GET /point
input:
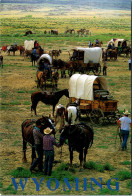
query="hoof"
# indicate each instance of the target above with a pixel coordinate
(81, 169)
(24, 160)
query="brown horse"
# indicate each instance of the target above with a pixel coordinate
(80, 137)
(43, 76)
(27, 133)
(47, 98)
(22, 50)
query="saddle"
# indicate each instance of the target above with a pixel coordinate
(31, 123)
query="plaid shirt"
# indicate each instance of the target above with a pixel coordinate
(38, 136)
(49, 142)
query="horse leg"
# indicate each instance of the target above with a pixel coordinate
(53, 110)
(71, 157)
(85, 153)
(81, 159)
(33, 107)
(24, 159)
(33, 154)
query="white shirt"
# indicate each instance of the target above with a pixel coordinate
(129, 60)
(125, 121)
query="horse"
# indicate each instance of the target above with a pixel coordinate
(27, 133)
(72, 113)
(54, 32)
(47, 98)
(43, 76)
(80, 138)
(69, 31)
(62, 65)
(54, 79)
(34, 58)
(13, 49)
(112, 53)
(55, 53)
(22, 50)
(28, 33)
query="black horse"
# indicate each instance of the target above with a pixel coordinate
(34, 58)
(27, 133)
(80, 138)
(47, 98)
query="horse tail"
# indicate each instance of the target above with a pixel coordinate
(70, 119)
(92, 136)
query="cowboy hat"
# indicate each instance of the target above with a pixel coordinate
(47, 131)
(59, 106)
(126, 112)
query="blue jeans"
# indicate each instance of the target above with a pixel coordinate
(129, 66)
(125, 135)
(48, 163)
(39, 160)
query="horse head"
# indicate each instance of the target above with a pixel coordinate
(64, 135)
(47, 122)
(66, 92)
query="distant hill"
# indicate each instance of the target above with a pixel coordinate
(101, 4)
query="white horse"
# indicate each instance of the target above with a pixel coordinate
(72, 114)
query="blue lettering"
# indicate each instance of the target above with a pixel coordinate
(117, 184)
(68, 185)
(20, 182)
(37, 184)
(57, 184)
(97, 183)
(85, 184)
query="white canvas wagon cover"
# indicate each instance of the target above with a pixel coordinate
(45, 56)
(29, 44)
(115, 41)
(81, 86)
(92, 54)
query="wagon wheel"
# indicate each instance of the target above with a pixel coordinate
(97, 70)
(97, 116)
(112, 119)
(118, 139)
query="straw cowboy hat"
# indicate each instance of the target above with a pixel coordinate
(126, 112)
(47, 131)
(59, 106)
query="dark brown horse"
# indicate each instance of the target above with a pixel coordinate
(47, 98)
(80, 138)
(27, 133)
(12, 49)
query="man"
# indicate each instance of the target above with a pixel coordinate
(60, 115)
(90, 44)
(129, 61)
(34, 52)
(124, 123)
(38, 139)
(48, 147)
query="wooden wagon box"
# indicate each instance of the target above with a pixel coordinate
(108, 105)
(104, 105)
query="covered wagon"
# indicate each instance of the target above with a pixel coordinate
(94, 99)
(121, 45)
(87, 59)
(45, 72)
